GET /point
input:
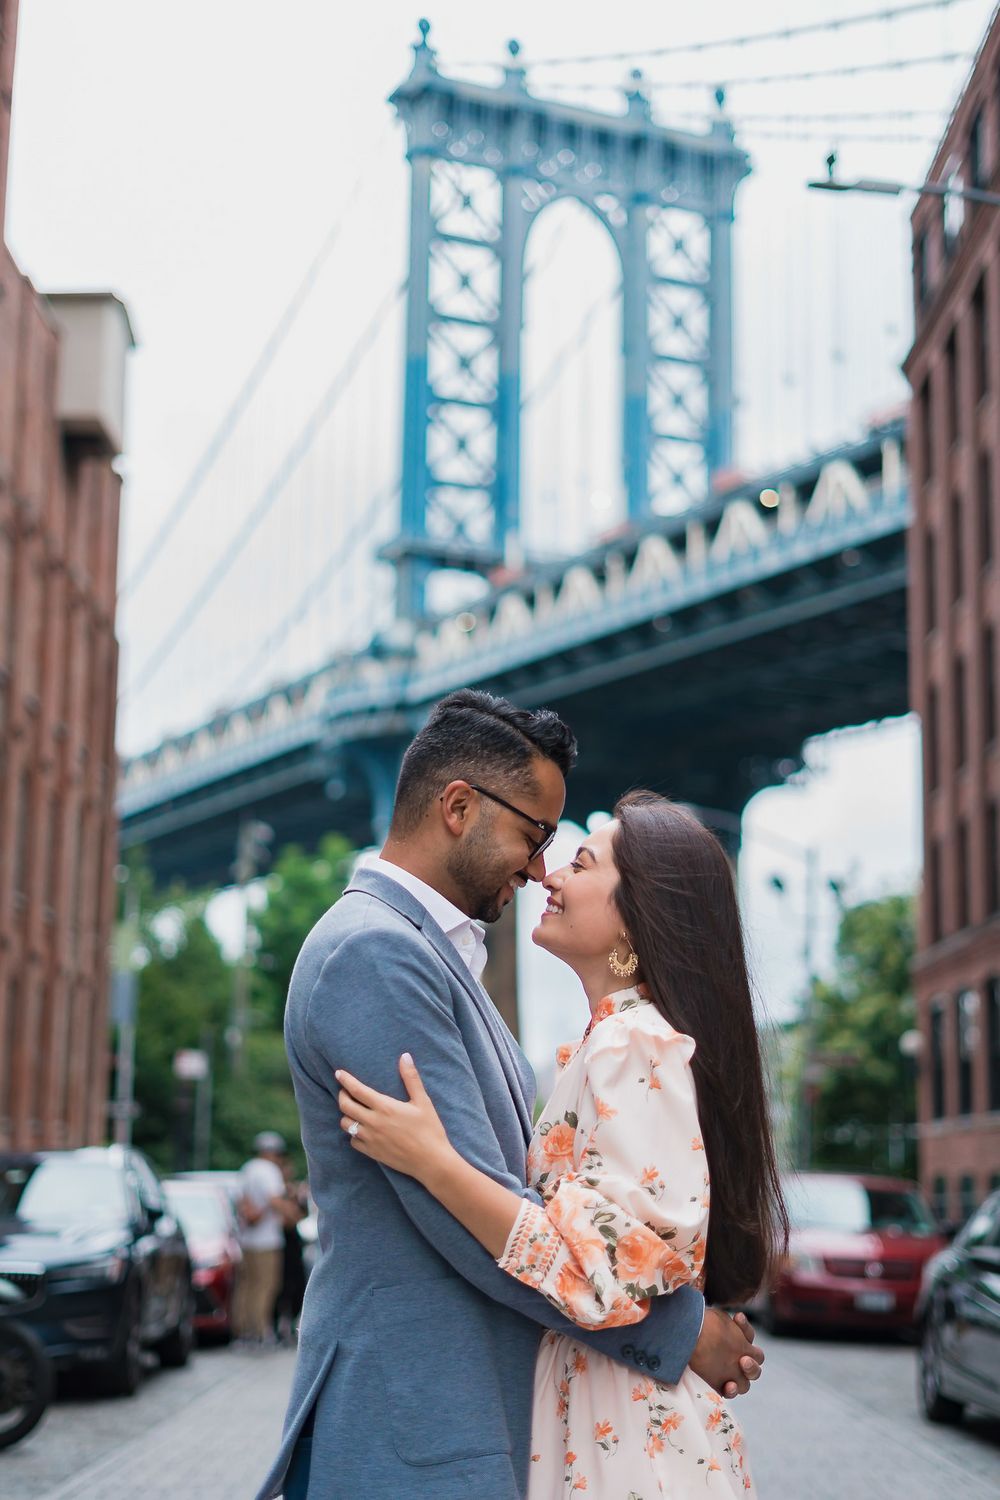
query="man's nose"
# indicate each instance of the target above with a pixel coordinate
(535, 868)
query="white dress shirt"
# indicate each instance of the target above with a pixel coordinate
(468, 937)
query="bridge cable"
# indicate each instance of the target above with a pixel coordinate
(332, 566)
(271, 492)
(251, 384)
(779, 34)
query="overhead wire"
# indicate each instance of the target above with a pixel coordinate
(272, 490)
(717, 44)
(803, 75)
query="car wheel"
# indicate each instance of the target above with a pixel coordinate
(122, 1373)
(175, 1349)
(936, 1405)
(26, 1382)
(767, 1317)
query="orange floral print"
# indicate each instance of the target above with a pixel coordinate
(557, 1144)
(639, 1255)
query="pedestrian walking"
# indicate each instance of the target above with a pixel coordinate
(263, 1208)
(288, 1303)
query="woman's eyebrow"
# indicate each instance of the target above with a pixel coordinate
(585, 849)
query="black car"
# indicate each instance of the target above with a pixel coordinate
(958, 1312)
(97, 1262)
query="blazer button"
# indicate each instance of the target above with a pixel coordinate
(628, 1351)
(654, 1362)
(640, 1358)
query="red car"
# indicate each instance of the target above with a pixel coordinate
(209, 1223)
(856, 1254)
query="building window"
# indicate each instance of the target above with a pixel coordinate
(984, 501)
(957, 541)
(926, 431)
(21, 840)
(966, 1009)
(951, 387)
(933, 883)
(930, 580)
(993, 1042)
(989, 667)
(8, 1042)
(976, 158)
(937, 1060)
(932, 741)
(52, 852)
(992, 858)
(961, 737)
(962, 883)
(939, 1199)
(920, 269)
(968, 1201)
(980, 339)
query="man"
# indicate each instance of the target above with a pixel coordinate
(416, 1352)
(262, 1237)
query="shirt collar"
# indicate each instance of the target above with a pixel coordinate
(467, 936)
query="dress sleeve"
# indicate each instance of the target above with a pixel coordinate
(628, 1221)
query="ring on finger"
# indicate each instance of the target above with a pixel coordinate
(353, 1128)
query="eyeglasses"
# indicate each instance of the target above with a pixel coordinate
(548, 832)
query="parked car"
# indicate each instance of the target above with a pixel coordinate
(856, 1253)
(105, 1271)
(959, 1316)
(208, 1220)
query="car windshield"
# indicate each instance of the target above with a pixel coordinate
(839, 1203)
(201, 1214)
(64, 1190)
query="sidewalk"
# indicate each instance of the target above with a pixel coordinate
(217, 1446)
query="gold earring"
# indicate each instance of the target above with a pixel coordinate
(627, 969)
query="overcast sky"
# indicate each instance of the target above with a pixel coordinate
(195, 158)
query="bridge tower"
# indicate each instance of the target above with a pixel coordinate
(484, 162)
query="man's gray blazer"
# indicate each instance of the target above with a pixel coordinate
(415, 1349)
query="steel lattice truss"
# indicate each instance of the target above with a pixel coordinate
(485, 162)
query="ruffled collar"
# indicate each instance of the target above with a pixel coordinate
(610, 1005)
(613, 1004)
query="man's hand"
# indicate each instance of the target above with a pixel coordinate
(725, 1354)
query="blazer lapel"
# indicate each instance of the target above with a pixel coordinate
(374, 883)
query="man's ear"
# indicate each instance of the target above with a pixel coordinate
(457, 809)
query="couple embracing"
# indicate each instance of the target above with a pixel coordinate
(504, 1308)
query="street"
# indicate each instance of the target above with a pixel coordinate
(832, 1419)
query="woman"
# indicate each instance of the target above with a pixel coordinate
(664, 1093)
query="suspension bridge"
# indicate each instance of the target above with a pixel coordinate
(694, 637)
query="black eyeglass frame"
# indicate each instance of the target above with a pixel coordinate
(547, 828)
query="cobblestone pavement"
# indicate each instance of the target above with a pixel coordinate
(832, 1420)
(837, 1418)
(207, 1432)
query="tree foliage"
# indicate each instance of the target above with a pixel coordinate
(185, 996)
(300, 888)
(864, 1088)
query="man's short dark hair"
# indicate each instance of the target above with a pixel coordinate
(474, 736)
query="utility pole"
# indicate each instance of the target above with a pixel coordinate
(252, 848)
(123, 1009)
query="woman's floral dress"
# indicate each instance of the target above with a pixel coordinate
(618, 1160)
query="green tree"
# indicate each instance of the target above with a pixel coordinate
(864, 1091)
(300, 888)
(183, 999)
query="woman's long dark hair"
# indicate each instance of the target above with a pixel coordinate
(678, 902)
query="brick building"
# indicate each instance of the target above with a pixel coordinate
(61, 367)
(954, 632)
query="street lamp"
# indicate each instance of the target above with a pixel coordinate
(886, 188)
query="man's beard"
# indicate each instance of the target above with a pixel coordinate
(480, 876)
